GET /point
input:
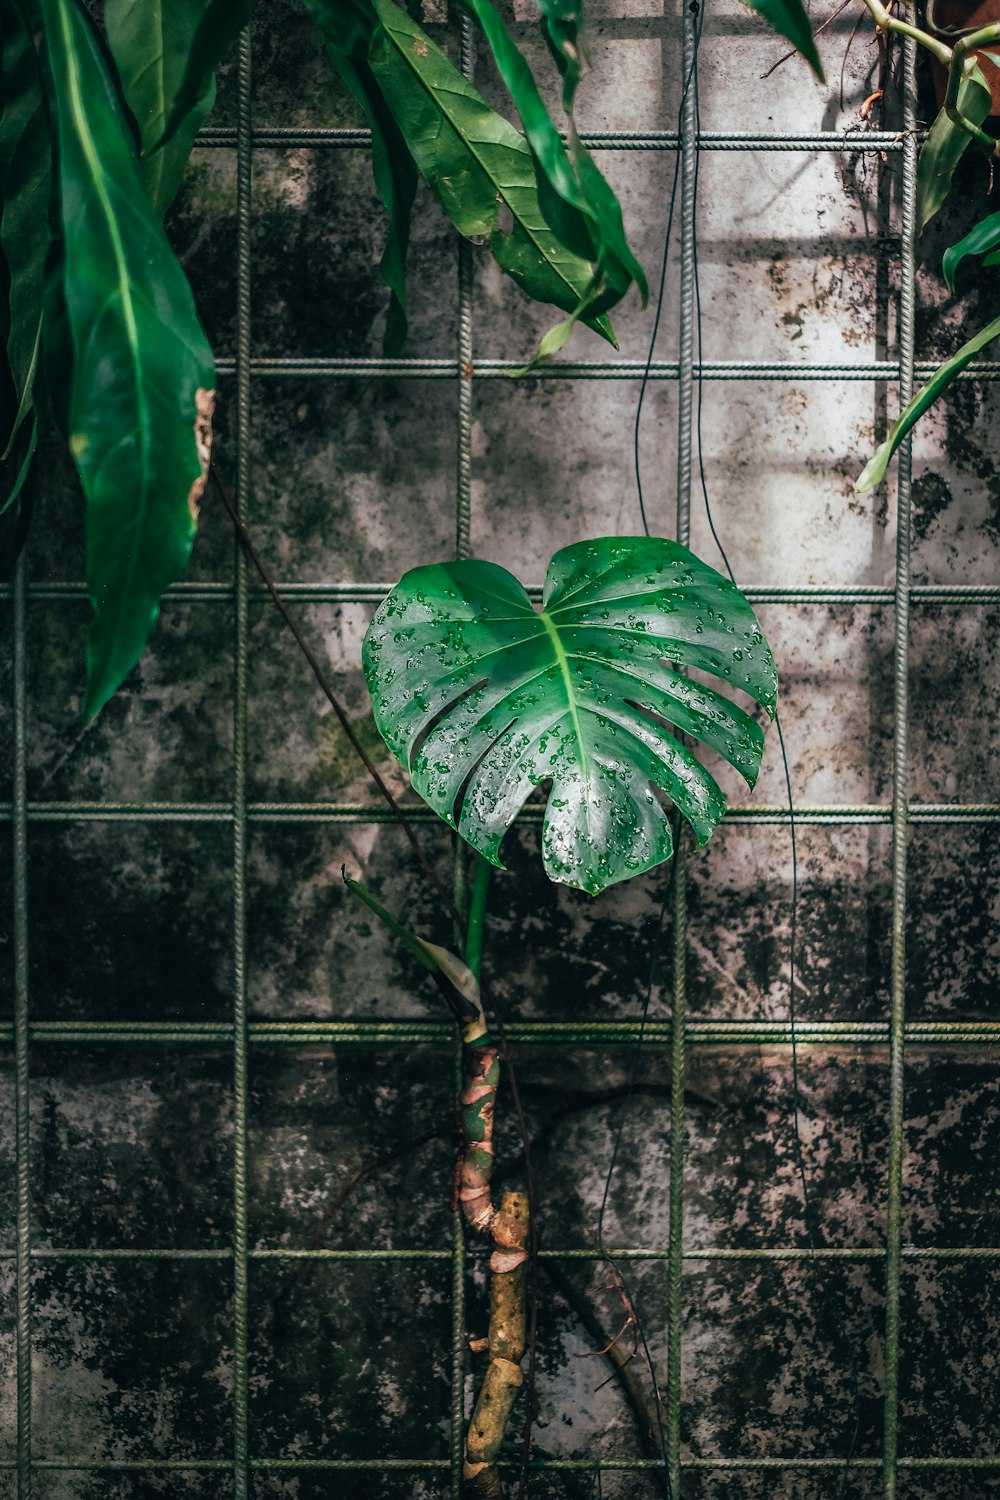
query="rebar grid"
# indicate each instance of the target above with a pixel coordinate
(674, 1034)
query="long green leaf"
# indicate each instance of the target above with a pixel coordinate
(943, 377)
(570, 174)
(562, 26)
(154, 44)
(141, 387)
(453, 976)
(220, 23)
(347, 31)
(474, 161)
(482, 698)
(789, 19)
(25, 186)
(947, 142)
(980, 240)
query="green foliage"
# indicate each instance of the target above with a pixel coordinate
(789, 19)
(561, 25)
(166, 52)
(944, 376)
(577, 200)
(99, 314)
(141, 375)
(983, 240)
(348, 30)
(947, 141)
(475, 162)
(24, 242)
(484, 698)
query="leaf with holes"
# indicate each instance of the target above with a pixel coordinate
(483, 697)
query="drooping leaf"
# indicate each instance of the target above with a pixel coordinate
(947, 142)
(454, 977)
(483, 698)
(474, 161)
(25, 186)
(166, 52)
(562, 27)
(944, 376)
(789, 19)
(347, 31)
(980, 240)
(570, 175)
(139, 391)
(211, 36)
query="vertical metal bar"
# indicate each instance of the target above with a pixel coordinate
(463, 517)
(685, 434)
(897, 1020)
(244, 167)
(463, 548)
(22, 1264)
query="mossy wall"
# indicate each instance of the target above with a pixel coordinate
(354, 480)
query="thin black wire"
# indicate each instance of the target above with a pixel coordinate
(664, 262)
(808, 1205)
(657, 936)
(654, 961)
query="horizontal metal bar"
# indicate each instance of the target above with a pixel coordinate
(341, 1033)
(699, 1254)
(606, 1463)
(885, 371)
(348, 138)
(373, 593)
(377, 812)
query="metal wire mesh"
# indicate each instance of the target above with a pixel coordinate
(678, 1033)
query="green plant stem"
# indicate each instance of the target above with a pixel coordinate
(886, 22)
(477, 914)
(964, 53)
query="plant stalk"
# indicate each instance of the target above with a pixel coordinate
(506, 1339)
(887, 22)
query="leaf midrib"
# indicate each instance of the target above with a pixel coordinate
(563, 663)
(124, 291)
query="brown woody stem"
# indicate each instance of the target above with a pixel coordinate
(505, 1343)
(480, 1076)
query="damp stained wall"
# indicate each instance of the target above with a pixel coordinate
(353, 481)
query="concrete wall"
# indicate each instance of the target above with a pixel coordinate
(355, 480)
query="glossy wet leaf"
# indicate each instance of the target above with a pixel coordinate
(166, 52)
(25, 157)
(943, 377)
(980, 240)
(475, 162)
(789, 19)
(139, 373)
(947, 142)
(483, 698)
(579, 203)
(347, 30)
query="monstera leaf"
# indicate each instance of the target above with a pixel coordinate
(483, 697)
